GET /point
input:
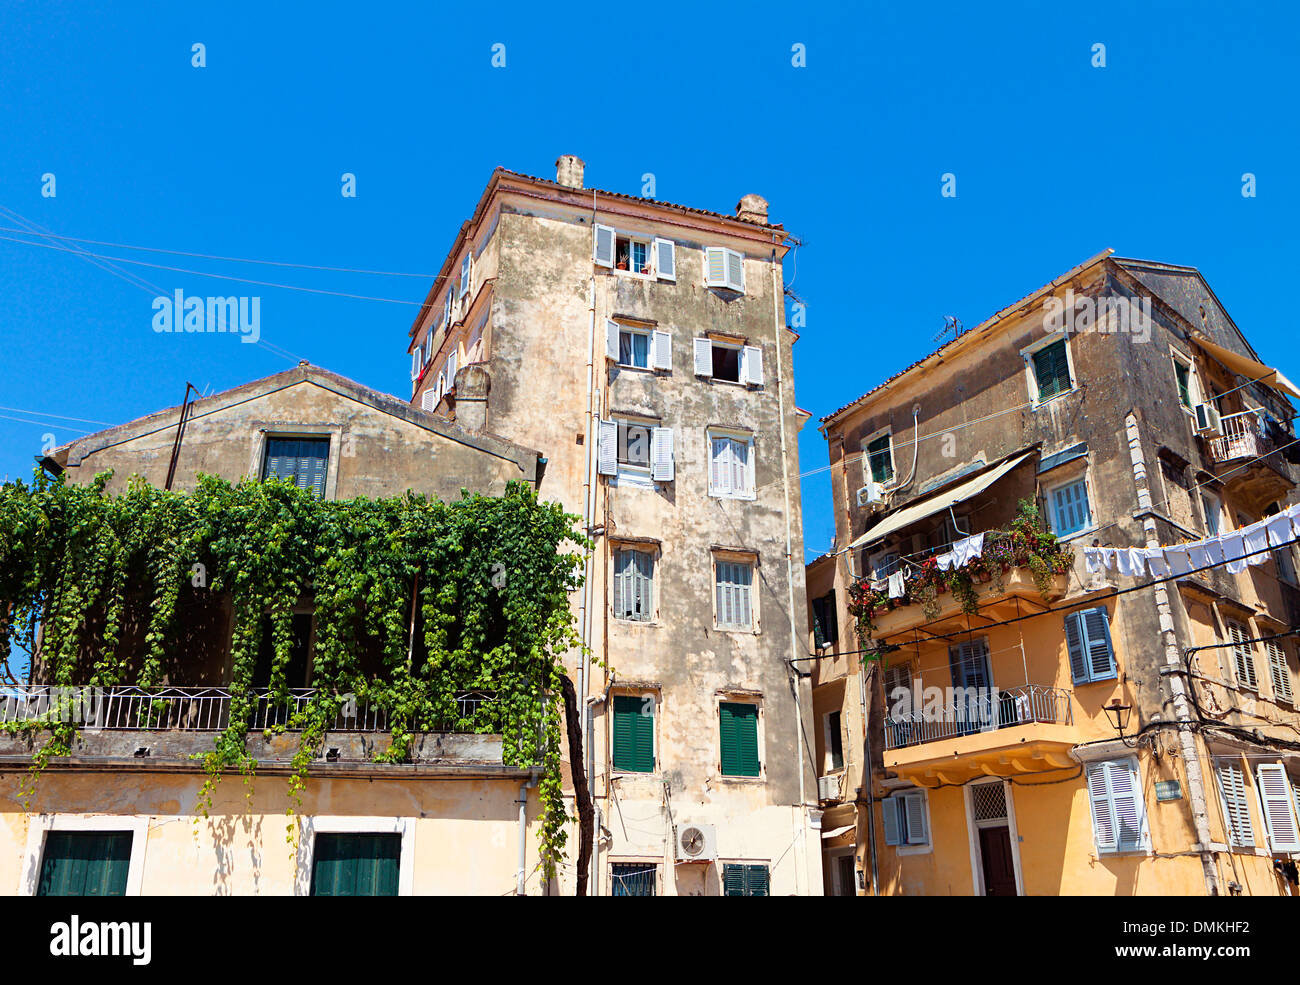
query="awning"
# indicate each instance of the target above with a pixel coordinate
(836, 832)
(938, 503)
(1246, 366)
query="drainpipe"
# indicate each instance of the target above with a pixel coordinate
(801, 833)
(1173, 664)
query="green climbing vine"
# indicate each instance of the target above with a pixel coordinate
(121, 589)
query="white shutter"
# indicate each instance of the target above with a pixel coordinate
(703, 357)
(661, 454)
(612, 330)
(662, 357)
(735, 271)
(752, 365)
(665, 259)
(603, 247)
(715, 267)
(914, 804)
(1279, 815)
(464, 273)
(607, 448)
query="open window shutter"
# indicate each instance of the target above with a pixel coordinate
(735, 271)
(612, 331)
(665, 259)
(603, 247)
(715, 267)
(607, 448)
(1126, 798)
(1074, 642)
(703, 357)
(464, 274)
(1279, 816)
(753, 363)
(663, 351)
(661, 454)
(1103, 819)
(890, 809)
(914, 804)
(1101, 657)
(1241, 833)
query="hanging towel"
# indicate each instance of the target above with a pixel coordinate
(896, 585)
(1178, 560)
(1255, 538)
(1279, 529)
(1234, 550)
(1156, 561)
(1092, 559)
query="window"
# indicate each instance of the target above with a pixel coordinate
(1278, 672)
(1183, 377)
(1243, 655)
(302, 461)
(1118, 812)
(834, 741)
(1213, 508)
(1051, 368)
(731, 465)
(738, 728)
(724, 268)
(1087, 638)
(826, 629)
(1070, 512)
(906, 817)
(733, 593)
(356, 864)
(632, 879)
(880, 458)
(1236, 808)
(1277, 807)
(636, 450)
(634, 585)
(745, 880)
(85, 863)
(730, 362)
(634, 733)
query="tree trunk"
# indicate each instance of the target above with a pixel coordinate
(581, 793)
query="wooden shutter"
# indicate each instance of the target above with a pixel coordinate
(735, 271)
(665, 259)
(1278, 671)
(1075, 640)
(1243, 655)
(607, 448)
(662, 351)
(661, 454)
(703, 357)
(1236, 808)
(715, 267)
(890, 809)
(612, 331)
(738, 725)
(603, 246)
(752, 365)
(85, 863)
(1279, 814)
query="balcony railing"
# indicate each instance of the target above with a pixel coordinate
(1244, 436)
(978, 710)
(203, 709)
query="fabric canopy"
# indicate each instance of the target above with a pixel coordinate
(938, 503)
(1246, 366)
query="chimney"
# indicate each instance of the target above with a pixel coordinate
(752, 208)
(472, 385)
(568, 171)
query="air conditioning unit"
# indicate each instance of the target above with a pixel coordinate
(828, 788)
(1207, 420)
(871, 496)
(697, 843)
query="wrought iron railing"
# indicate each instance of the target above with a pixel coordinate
(207, 709)
(976, 710)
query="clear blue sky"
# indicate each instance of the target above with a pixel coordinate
(1055, 160)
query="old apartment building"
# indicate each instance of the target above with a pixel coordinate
(642, 347)
(1077, 704)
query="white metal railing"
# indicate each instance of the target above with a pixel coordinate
(980, 710)
(1244, 436)
(202, 709)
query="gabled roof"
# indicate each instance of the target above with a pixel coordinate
(72, 453)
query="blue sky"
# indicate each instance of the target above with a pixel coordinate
(1055, 160)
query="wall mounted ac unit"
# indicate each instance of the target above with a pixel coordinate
(1207, 420)
(828, 788)
(697, 843)
(871, 496)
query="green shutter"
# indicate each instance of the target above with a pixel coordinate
(738, 726)
(356, 864)
(634, 733)
(85, 863)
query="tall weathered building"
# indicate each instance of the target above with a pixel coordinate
(643, 348)
(1055, 702)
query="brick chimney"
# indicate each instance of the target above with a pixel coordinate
(752, 208)
(568, 171)
(472, 386)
